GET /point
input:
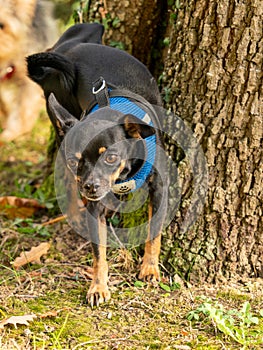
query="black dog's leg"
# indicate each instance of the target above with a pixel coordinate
(98, 291)
(157, 210)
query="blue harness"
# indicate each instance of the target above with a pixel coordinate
(126, 106)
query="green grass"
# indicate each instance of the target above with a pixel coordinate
(242, 326)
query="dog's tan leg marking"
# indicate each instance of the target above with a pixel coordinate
(149, 269)
(99, 291)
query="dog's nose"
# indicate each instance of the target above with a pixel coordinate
(91, 186)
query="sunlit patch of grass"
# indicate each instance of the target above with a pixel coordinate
(242, 325)
(24, 159)
(30, 147)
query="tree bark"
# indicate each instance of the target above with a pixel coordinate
(214, 76)
(131, 25)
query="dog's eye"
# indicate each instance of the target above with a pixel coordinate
(111, 158)
(2, 26)
(72, 163)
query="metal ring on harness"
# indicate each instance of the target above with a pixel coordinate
(99, 89)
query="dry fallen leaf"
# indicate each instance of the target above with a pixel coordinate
(24, 319)
(15, 320)
(53, 313)
(33, 255)
(15, 207)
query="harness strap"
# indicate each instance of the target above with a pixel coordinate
(140, 101)
(100, 91)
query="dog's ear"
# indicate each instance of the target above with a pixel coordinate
(61, 119)
(136, 128)
(52, 71)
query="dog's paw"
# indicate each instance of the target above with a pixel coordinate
(149, 272)
(98, 294)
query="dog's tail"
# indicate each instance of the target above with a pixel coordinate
(52, 71)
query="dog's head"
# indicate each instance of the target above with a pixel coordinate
(15, 20)
(101, 149)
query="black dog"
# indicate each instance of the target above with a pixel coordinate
(99, 100)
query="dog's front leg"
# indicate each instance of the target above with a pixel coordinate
(98, 291)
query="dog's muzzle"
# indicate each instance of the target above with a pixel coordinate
(93, 191)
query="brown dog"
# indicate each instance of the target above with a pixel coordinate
(26, 26)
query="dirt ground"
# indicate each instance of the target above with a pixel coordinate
(49, 294)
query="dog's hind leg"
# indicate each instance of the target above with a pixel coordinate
(149, 269)
(157, 210)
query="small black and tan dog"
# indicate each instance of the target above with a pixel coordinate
(100, 101)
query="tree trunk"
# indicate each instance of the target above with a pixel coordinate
(131, 25)
(214, 76)
(212, 79)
